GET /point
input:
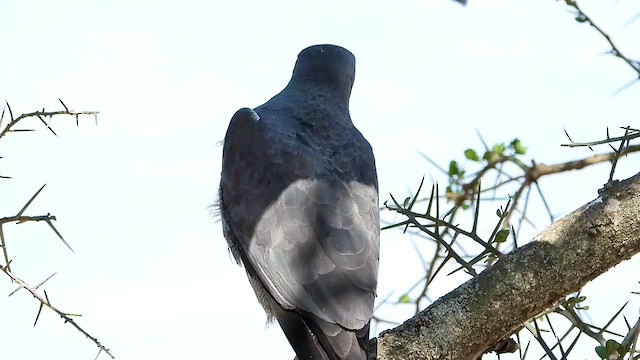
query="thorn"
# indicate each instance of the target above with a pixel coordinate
(47, 125)
(10, 112)
(44, 281)
(38, 316)
(65, 106)
(568, 137)
(625, 86)
(30, 201)
(15, 291)
(59, 235)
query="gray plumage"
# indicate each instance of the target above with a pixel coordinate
(299, 205)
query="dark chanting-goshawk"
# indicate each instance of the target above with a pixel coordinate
(299, 206)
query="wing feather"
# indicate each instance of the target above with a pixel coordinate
(324, 258)
(312, 239)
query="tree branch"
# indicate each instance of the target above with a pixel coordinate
(582, 17)
(44, 301)
(539, 170)
(41, 115)
(562, 259)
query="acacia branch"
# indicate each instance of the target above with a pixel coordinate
(562, 259)
(46, 302)
(539, 170)
(20, 217)
(582, 17)
(41, 115)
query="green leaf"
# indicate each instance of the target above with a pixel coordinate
(453, 168)
(613, 347)
(491, 156)
(501, 236)
(404, 299)
(471, 155)
(576, 299)
(501, 213)
(406, 201)
(499, 148)
(601, 351)
(574, 302)
(518, 147)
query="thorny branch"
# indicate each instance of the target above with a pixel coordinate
(630, 134)
(41, 115)
(20, 218)
(615, 51)
(623, 149)
(47, 302)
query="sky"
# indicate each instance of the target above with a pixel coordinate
(151, 273)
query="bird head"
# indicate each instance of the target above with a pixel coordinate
(326, 66)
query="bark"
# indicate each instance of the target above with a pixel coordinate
(559, 261)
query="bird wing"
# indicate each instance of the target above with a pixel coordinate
(316, 247)
(314, 243)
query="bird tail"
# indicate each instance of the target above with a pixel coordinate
(315, 339)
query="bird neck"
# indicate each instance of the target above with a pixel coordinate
(320, 96)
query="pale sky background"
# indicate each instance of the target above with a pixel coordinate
(151, 274)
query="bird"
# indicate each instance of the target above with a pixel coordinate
(298, 201)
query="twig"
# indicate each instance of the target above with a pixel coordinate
(629, 135)
(41, 115)
(540, 170)
(582, 17)
(45, 302)
(48, 218)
